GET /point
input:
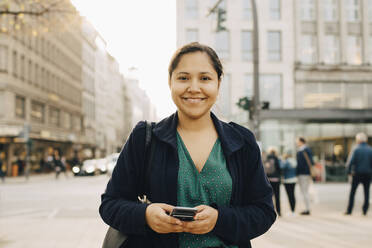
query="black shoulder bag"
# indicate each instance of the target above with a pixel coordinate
(114, 238)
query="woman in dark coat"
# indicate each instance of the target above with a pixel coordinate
(199, 161)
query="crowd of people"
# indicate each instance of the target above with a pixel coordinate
(289, 171)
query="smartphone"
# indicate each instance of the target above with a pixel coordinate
(184, 213)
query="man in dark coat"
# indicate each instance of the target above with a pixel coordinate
(360, 168)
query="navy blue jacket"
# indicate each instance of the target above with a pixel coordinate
(249, 215)
(302, 165)
(361, 160)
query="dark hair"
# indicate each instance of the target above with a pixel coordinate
(192, 48)
(302, 139)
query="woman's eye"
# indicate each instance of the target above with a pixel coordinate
(205, 78)
(182, 78)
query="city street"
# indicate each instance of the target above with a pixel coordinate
(49, 213)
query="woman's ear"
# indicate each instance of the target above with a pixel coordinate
(219, 83)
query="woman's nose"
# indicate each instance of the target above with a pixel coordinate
(194, 85)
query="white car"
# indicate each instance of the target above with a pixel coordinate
(111, 162)
(101, 165)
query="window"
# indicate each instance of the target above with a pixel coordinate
(330, 10)
(353, 10)
(247, 10)
(331, 95)
(20, 107)
(248, 85)
(307, 95)
(191, 9)
(192, 35)
(369, 94)
(308, 10)
(225, 95)
(77, 123)
(247, 46)
(15, 64)
(37, 112)
(370, 11)
(354, 96)
(30, 71)
(370, 49)
(54, 117)
(3, 58)
(67, 123)
(275, 9)
(271, 90)
(331, 49)
(23, 64)
(36, 74)
(308, 49)
(274, 45)
(354, 50)
(223, 44)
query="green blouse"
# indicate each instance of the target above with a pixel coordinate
(212, 185)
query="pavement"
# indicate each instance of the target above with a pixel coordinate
(43, 212)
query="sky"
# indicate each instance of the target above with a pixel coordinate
(140, 34)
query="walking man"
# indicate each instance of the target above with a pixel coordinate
(359, 166)
(304, 162)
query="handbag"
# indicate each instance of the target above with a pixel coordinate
(312, 169)
(113, 237)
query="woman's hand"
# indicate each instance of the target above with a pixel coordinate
(205, 220)
(159, 221)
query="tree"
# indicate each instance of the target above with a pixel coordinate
(36, 16)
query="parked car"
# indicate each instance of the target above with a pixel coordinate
(111, 162)
(87, 169)
(101, 165)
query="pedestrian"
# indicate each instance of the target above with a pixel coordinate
(288, 167)
(58, 163)
(304, 162)
(359, 166)
(2, 166)
(199, 161)
(273, 173)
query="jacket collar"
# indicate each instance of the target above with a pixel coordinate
(231, 140)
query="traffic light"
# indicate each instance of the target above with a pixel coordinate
(221, 18)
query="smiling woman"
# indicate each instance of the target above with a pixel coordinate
(199, 162)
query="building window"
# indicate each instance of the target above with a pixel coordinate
(330, 10)
(271, 90)
(247, 46)
(307, 95)
(369, 95)
(67, 121)
(191, 9)
(23, 69)
(54, 116)
(354, 50)
(37, 112)
(77, 123)
(331, 95)
(192, 35)
(247, 9)
(248, 85)
(275, 9)
(370, 11)
(225, 95)
(20, 107)
(274, 46)
(308, 10)
(370, 49)
(223, 44)
(15, 64)
(331, 49)
(308, 49)
(3, 58)
(30, 71)
(354, 96)
(353, 10)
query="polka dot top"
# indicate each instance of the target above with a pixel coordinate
(212, 185)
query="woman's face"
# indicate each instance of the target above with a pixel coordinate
(194, 85)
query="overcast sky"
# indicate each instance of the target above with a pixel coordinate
(139, 33)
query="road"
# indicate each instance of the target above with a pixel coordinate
(49, 213)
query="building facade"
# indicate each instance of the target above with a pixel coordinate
(315, 67)
(40, 91)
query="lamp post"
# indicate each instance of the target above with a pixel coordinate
(256, 60)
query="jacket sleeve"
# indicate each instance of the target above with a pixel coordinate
(239, 224)
(119, 205)
(350, 161)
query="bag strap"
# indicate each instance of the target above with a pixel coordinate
(307, 159)
(149, 155)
